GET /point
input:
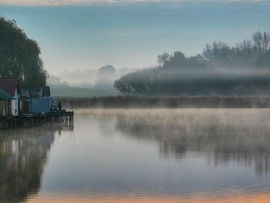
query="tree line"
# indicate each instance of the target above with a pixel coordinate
(220, 70)
(20, 56)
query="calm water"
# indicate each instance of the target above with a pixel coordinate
(152, 155)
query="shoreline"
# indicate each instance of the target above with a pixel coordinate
(167, 102)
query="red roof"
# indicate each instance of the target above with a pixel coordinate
(9, 85)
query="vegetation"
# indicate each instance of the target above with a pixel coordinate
(104, 78)
(107, 70)
(19, 56)
(167, 102)
(220, 70)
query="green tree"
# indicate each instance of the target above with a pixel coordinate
(19, 56)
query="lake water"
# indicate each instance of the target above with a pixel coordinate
(146, 155)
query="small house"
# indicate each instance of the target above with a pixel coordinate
(5, 103)
(36, 100)
(11, 87)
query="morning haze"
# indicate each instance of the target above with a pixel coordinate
(144, 101)
(89, 34)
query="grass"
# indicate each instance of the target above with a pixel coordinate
(167, 102)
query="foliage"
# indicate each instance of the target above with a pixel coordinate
(104, 81)
(108, 70)
(19, 56)
(220, 70)
(167, 102)
(261, 41)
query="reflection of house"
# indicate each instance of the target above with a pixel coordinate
(36, 100)
(11, 87)
(23, 155)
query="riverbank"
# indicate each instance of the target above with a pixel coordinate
(168, 102)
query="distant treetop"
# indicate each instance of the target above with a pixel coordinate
(219, 70)
(107, 70)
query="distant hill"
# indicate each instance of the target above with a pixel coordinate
(66, 91)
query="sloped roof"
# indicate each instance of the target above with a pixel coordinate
(34, 91)
(4, 95)
(9, 85)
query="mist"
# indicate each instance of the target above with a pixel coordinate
(86, 78)
(222, 136)
(220, 69)
(242, 69)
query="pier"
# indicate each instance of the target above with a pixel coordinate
(28, 120)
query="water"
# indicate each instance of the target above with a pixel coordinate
(147, 155)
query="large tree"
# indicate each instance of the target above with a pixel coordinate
(19, 55)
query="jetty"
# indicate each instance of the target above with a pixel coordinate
(28, 120)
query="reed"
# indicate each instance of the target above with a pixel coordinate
(167, 102)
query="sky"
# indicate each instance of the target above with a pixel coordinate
(89, 34)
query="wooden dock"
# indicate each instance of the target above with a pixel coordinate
(28, 120)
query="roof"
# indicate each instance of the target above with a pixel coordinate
(9, 85)
(4, 95)
(35, 91)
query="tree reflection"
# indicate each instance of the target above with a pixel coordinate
(23, 155)
(223, 138)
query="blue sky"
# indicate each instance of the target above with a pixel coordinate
(86, 35)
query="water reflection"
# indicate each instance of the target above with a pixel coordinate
(183, 155)
(240, 136)
(23, 155)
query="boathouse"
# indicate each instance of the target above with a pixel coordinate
(5, 103)
(28, 107)
(11, 87)
(36, 100)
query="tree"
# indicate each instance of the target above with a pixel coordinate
(104, 80)
(19, 55)
(203, 75)
(245, 54)
(246, 47)
(163, 58)
(218, 50)
(175, 61)
(263, 61)
(262, 41)
(106, 70)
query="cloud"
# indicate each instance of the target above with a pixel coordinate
(91, 2)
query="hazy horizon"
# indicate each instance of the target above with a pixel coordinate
(91, 34)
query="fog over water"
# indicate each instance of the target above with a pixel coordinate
(223, 135)
(146, 155)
